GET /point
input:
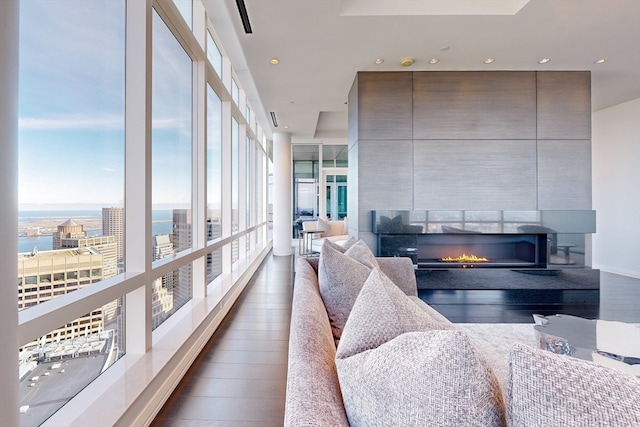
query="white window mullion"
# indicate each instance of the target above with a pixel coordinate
(138, 255)
(199, 176)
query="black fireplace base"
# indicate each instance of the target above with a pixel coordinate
(497, 278)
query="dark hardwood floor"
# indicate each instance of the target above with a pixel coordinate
(239, 379)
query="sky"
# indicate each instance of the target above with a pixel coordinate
(71, 106)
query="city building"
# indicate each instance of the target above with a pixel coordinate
(67, 230)
(44, 275)
(113, 225)
(286, 81)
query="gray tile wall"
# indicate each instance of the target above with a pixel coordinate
(493, 140)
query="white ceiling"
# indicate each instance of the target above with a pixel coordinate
(322, 44)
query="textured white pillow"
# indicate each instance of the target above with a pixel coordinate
(340, 278)
(362, 253)
(398, 368)
(381, 313)
(547, 389)
(426, 379)
(323, 225)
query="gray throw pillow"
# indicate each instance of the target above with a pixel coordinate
(426, 379)
(381, 313)
(362, 253)
(547, 389)
(340, 279)
(397, 367)
(343, 247)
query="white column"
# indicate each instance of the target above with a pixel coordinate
(282, 223)
(9, 19)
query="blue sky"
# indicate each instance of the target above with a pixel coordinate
(71, 128)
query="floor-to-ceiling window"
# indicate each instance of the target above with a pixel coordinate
(71, 179)
(85, 198)
(170, 166)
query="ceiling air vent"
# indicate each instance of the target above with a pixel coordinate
(273, 119)
(244, 16)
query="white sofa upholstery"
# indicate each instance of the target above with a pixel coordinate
(333, 230)
(538, 388)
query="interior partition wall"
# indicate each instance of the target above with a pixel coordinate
(172, 142)
(468, 140)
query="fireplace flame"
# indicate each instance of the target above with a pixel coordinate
(465, 258)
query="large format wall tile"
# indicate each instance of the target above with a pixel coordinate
(385, 106)
(474, 105)
(385, 176)
(475, 175)
(564, 174)
(564, 105)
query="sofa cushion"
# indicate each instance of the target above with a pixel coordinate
(383, 304)
(340, 277)
(397, 366)
(552, 389)
(420, 379)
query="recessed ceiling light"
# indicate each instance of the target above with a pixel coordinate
(274, 61)
(378, 61)
(544, 60)
(601, 61)
(434, 61)
(407, 62)
(489, 60)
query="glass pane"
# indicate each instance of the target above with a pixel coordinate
(169, 292)
(71, 110)
(185, 7)
(213, 55)
(235, 175)
(214, 181)
(58, 365)
(248, 191)
(334, 156)
(171, 131)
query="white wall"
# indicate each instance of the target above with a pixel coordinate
(616, 188)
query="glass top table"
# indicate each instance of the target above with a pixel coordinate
(606, 342)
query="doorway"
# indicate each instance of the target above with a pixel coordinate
(333, 197)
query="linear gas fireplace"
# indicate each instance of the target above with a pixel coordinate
(485, 239)
(435, 251)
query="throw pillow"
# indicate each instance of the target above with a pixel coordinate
(381, 313)
(342, 247)
(340, 278)
(349, 242)
(428, 379)
(361, 252)
(552, 389)
(323, 225)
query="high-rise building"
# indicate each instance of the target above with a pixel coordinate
(45, 275)
(162, 300)
(66, 230)
(214, 259)
(182, 238)
(113, 225)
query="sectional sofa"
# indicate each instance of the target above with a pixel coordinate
(364, 350)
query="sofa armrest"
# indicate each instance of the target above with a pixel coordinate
(313, 392)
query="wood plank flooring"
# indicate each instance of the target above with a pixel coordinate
(239, 379)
